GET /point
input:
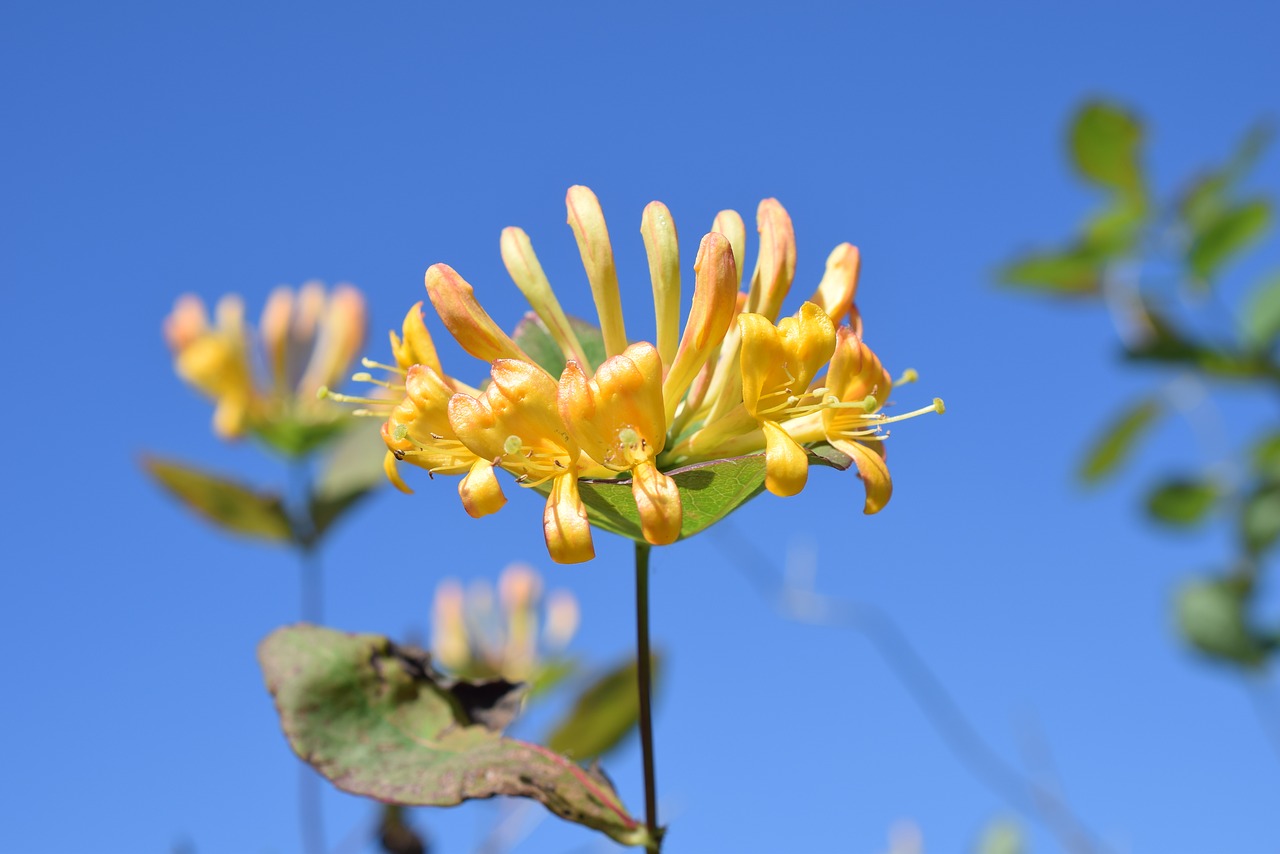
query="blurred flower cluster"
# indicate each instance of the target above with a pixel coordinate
(267, 384)
(516, 635)
(735, 381)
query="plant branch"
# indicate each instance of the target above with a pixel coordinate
(931, 697)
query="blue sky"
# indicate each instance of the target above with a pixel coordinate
(153, 149)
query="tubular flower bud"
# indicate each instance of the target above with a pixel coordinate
(587, 221)
(734, 381)
(215, 360)
(618, 419)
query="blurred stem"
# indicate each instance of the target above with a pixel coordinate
(311, 601)
(643, 662)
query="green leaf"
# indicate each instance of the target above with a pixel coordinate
(377, 720)
(1118, 440)
(1210, 194)
(532, 336)
(1074, 272)
(1266, 458)
(1105, 142)
(232, 506)
(1165, 343)
(1260, 326)
(1226, 235)
(603, 714)
(708, 492)
(1182, 502)
(1212, 617)
(296, 438)
(1260, 519)
(1114, 230)
(352, 471)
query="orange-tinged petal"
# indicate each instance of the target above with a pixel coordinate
(762, 355)
(872, 470)
(187, 322)
(587, 221)
(274, 329)
(454, 300)
(564, 522)
(715, 298)
(617, 417)
(658, 501)
(776, 263)
(786, 463)
(839, 283)
(340, 339)
(480, 491)
(525, 270)
(663, 250)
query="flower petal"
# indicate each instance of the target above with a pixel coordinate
(786, 463)
(663, 250)
(658, 501)
(776, 263)
(714, 303)
(525, 270)
(480, 491)
(455, 301)
(416, 347)
(839, 283)
(564, 522)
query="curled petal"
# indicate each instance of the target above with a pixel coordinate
(274, 328)
(455, 301)
(480, 491)
(564, 523)
(786, 463)
(660, 245)
(658, 500)
(587, 221)
(762, 353)
(416, 347)
(872, 470)
(393, 475)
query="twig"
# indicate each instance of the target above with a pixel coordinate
(955, 730)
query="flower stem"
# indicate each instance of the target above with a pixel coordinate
(311, 601)
(643, 662)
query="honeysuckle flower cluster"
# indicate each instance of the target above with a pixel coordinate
(473, 636)
(734, 381)
(307, 340)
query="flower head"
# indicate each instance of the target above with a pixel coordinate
(734, 382)
(307, 340)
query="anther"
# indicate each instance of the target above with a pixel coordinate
(938, 406)
(869, 403)
(400, 432)
(908, 376)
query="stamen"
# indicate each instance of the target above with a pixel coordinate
(363, 377)
(908, 376)
(628, 437)
(325, 391)
(400, 432)
(512, 445)
(370, 363)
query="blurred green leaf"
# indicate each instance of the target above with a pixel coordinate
(1266, 458)
(550, 676)
(1105, 142)
(1212, 617)
(294, 438)
(532, 336)
(1115, 229)
(1118, 439)
(1001, 837)
(1260, 518)
(603, 715)
(377, 720)
(1227, 234)
(1165, 343)
(709, 491)
(1210, 194)
(351, 471)
(1182, 502)
(231, 505)
(1074, 272)
(1260, 326)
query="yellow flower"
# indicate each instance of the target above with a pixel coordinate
(716, 389)
(308, 339)
(515, 423)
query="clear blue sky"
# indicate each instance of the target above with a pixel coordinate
(151, 149)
